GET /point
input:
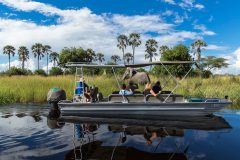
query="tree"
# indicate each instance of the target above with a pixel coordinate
(163, 49)
(197, 47)
(134, 41)
(115, 59)
(9, 50)
(100, 58)
(54, 56)
(37, 50)
(211, 62)
(151, 48)
(177, 53)
(46, 50)
(128, 57)
(90, 55)
(23, 53)
(72, 55)
(122, 43)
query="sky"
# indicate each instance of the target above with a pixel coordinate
(96, 24)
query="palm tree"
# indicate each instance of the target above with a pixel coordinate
(37, 50)
(23, 53)
(100, 58)
(128, 57)
(9, 50)
(134, 41)
(198, 44)
(54, 56)
(151, 48)
(90, 55)
(115, 59)
(46, 50)
(122, 43)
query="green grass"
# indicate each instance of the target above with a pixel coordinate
(25, 89)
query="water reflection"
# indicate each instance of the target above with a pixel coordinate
(31, 132)
(24, 134)
(136, 139)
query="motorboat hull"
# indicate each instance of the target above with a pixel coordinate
(108, 109)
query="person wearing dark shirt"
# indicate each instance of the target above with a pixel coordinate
(157, 87)
(132, 86)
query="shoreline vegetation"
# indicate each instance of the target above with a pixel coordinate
(34, 89)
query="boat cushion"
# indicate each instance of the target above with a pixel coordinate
(162, 97)
(194, 99)
(128, 98)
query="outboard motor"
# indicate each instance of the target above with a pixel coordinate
(54, 96)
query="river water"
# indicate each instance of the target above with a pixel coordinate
(27, 132)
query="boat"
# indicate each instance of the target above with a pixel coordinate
(167, 103)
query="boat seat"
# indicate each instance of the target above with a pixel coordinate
(118, 98)
(162, 97)
(135, 92)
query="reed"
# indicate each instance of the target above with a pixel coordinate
(26, 89)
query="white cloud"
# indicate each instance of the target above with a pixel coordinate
(186, 4)
(180, 19)
(81, 27)
(168, 13)
(204, 29)
(169, 1)
(148, 23)
(30, 64)
(199, 6)
(177, 17)
(215, 47)
(28, 5)
(190, 4)
(175, 37)
(234, 60)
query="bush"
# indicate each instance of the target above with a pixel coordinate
(17, 71)
(55, 71)
(40, 72)
(206, 74)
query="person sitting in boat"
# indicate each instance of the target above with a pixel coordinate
(148, 90)
(132, 86)
(124, 90)
(83, 89)
(156, 88)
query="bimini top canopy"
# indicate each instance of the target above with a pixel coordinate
(160, 63)
(84, 64)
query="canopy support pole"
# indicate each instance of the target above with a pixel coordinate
(178, 82)
(124, 100)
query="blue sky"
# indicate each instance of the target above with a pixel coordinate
(96, 23)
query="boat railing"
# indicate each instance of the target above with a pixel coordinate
(118, 98)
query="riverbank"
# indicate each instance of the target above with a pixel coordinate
(26, 89)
